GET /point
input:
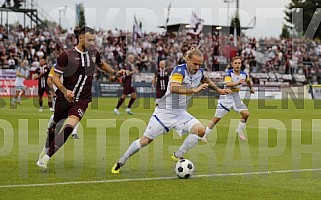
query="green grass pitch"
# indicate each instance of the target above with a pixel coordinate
(280, 160)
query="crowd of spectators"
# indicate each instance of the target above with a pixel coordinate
(284, 56)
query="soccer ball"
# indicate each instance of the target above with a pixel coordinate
(184, 168)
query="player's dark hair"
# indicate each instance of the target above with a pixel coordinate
(85, 30)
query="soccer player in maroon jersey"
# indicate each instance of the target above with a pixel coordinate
(77, 66)
(127, 85)
(41, 74)
(161, 79)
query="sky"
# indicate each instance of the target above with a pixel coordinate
(110, 14)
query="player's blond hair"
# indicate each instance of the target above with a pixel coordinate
(191, 52)
(235, 58)
(162, 61)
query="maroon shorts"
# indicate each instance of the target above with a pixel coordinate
(160, 93)
(128, 90)
(63, 108)
(41, 91)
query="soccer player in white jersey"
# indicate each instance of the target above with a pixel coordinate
(21, 75)
(171, 112)
(234, 80)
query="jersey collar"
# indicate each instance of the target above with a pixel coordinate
(80, 51)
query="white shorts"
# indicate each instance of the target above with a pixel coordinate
(20, 87)
(163, 120)
(224, 106)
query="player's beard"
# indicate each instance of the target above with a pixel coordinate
(86, 48)
(195, 70)
(191, 71)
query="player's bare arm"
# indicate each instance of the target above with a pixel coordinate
(50, 85)
(20, 75)
(37, 76)
(249, 84)
(69, 95)
(232, 84)
(135, 71)
(180, 89)
(154, 81)
(107, 68)
(212, 85)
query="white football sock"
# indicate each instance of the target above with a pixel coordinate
(45, 158)
(53, 102)
(241, 126)
(45, 149)
(132, 149)
(51, 121)
(75, 129)
(190, 141)
(207, 131)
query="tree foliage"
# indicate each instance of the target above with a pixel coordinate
(304, 16)
(285, 32)
(82, 20)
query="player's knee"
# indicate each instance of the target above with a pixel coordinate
(215, 120)
(201, 131)
(246, 115)
(144, 141)
(134, 95)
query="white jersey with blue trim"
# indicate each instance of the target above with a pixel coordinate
(232, 77)
(24, 72)
(180, 75)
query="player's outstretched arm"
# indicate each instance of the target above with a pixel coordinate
(107, 68)
(214, 87)
(180, 89)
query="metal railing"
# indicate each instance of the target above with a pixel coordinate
(42, 14)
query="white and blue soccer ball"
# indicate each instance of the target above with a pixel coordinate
(184, 168)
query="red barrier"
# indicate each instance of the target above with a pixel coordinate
(7, 87)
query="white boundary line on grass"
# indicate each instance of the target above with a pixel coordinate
(158, 178)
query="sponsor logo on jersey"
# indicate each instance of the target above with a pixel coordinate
(93, 59)
(80, 112)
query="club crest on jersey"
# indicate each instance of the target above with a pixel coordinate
(93, 59)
